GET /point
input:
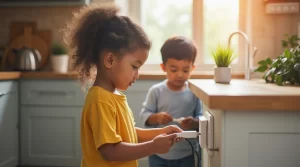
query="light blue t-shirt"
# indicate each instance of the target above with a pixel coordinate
(178, 104)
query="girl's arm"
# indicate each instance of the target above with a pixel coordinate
(148, 134)
(128, 151)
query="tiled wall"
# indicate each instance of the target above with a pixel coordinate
(47, 18)
(267, 30)
(52, 18)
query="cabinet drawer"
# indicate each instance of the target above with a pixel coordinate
(8, 86)
(51, 92)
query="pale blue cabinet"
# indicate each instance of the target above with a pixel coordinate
(9, 143)
(50, 122)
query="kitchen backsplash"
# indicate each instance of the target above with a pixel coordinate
(267, 30)
(46, 18)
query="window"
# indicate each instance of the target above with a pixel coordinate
(162, 19)
(207, 22)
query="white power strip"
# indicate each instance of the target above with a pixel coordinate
(188, 134)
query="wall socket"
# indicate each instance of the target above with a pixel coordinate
(282, 8)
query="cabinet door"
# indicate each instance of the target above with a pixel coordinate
(8, 126)
(50, 136)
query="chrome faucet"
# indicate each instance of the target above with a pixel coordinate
(247, 68)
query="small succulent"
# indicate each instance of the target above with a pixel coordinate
(223, 56)
(58, 49)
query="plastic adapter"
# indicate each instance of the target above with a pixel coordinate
(188, 134)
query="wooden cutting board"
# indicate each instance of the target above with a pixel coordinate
(30, 40)
(17, 28)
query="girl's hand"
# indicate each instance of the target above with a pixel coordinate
(162, 143)
(172, 129)
(163, 118)
(189, 123)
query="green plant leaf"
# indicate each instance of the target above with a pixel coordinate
(278, 80)
(284, 43)
(275, 63)
(270, 72)
(287, 53)
(283, 60)
(262, 68)
(263, 63)
(297, 67)
(269, 61)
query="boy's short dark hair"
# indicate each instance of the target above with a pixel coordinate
(179, 48)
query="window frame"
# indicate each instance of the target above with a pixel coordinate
(245, 6)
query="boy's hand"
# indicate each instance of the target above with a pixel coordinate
(162, 143)
(163, 118)
(189, 123)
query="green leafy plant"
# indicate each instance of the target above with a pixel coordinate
(58, 49)
(223, 56)
(285, 69)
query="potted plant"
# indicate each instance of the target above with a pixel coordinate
(285, 69)
(223, 57)
(59, 58)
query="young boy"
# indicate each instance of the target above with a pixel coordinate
(172, 102)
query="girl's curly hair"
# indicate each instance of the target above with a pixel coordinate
(95, 29)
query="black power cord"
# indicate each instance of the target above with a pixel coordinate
(193, 152)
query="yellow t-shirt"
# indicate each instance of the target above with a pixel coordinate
(106, 118)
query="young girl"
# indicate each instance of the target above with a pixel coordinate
(115, 48)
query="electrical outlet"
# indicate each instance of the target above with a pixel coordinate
(281, 8)
(210, 131)
(203, 131)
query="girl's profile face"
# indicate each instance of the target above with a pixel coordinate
(126, 69)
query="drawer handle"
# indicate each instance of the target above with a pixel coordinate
(6, 93)
(3, 94)
(55, 93)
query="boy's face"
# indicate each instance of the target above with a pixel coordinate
(178, 72)
(125, 69)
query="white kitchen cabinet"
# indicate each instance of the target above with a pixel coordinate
(254, 124)
(254, 139)
(50, 122)
(9, 143)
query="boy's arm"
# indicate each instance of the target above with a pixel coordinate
(149, 114)
(149, 109)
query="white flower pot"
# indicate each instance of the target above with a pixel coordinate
(60, 63)
(222, 74)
